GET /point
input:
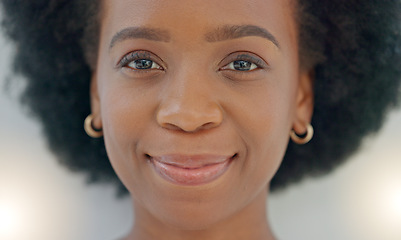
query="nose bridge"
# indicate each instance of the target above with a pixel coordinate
(188, 102)
(191, 90)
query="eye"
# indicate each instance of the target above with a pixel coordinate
(242, 65)
(243, 62)
(140, 61)
(143, 64)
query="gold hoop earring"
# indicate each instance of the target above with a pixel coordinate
(302, 140)
(89, 128)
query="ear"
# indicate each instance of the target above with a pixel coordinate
(304, 102)
(95, 102)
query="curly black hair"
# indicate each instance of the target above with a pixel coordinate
(353, 47)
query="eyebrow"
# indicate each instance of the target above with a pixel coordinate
(223, 33)
(228, 32)
(153, 34)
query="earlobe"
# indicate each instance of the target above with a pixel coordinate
(88, 126)
(95, 103)
(304, 102)
(307, 136)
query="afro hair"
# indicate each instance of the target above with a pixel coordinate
(352, 46)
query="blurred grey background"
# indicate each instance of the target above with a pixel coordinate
(40, 200)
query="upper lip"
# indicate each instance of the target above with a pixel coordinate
(191, 161)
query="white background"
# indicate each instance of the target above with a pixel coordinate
(40, 200)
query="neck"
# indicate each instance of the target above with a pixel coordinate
(248, 223)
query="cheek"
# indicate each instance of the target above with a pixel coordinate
(117, 112)
(264, 120)
(126, 114)
(127, 110)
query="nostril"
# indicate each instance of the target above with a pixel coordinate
(170, 126)
(188, 116)
(188, 128)
(210, 125)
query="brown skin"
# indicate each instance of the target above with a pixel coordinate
(197, 103)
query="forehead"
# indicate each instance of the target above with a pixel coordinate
(201, 15)
(240, 8)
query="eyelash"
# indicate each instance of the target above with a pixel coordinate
(244, 57)
(135, 56)
(230, 61)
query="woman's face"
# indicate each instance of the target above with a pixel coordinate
(196, 100)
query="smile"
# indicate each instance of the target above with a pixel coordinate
(191, 170)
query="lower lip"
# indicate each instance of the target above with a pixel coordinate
(191, 176)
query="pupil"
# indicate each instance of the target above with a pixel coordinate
(143, 64)
(242, 65)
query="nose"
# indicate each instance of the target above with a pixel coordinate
(189, 106)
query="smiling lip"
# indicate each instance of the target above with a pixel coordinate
(190, 170)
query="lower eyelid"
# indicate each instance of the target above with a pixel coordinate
(240, 76)
(140, 74)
